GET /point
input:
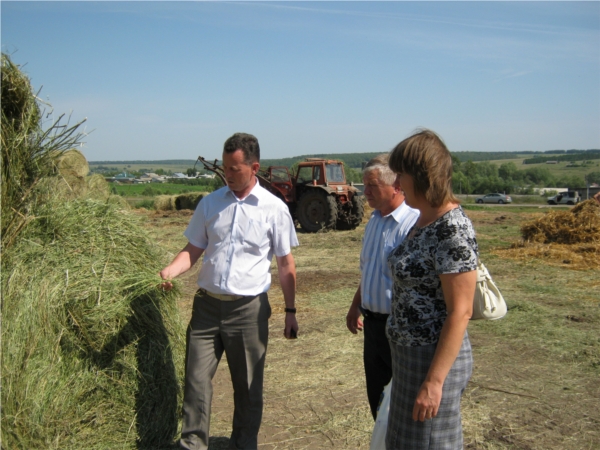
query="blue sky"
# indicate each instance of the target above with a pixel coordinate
(173, 80)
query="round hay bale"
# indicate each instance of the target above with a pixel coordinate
(97, 186)
(189, 200)
(64, 187)
(164, 203)
(73, 163)
(118, 200)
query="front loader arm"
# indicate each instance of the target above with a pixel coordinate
(213, 167)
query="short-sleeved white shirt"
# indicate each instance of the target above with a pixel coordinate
(239, 238)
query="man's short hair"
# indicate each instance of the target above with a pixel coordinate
(380, 164)
(245, 142)
(425, 157)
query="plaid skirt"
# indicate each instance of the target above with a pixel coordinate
(410, 366)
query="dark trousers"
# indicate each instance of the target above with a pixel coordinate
(377, 357)
(240, 329)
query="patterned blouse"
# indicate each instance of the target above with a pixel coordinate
(447, 245)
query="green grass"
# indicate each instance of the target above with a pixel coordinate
(152, 190)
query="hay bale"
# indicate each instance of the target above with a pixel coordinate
(92, 351)
(72, 163)
(67, 188)
(164, 203)
(97, 186)
(118, 201)
(189, 200)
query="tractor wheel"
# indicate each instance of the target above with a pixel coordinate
(316, 211)
(354, 219)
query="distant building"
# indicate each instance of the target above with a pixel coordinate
(154, 178)
(122, 177)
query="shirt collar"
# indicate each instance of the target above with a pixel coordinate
(256, 192)
(395, 214)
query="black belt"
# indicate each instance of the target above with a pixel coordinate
(374, 315)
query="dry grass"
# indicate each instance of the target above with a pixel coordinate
(561, 238)
(91, 349)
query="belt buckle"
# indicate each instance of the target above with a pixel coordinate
(222, 297)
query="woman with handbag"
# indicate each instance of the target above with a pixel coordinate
(434, 273)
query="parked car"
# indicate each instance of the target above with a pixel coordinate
(494, 198)
(565, 198)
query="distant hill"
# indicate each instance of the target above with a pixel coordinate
(356, 160)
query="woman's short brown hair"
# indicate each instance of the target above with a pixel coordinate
(425, 157)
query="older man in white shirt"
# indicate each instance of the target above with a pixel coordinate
(238, 229)
(388, 226)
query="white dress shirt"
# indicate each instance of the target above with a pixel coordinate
(239, 238)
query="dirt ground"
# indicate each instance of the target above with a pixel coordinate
(536, 379)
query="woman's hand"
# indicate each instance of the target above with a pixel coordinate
(428, 401)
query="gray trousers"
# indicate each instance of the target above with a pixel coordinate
(240, 329)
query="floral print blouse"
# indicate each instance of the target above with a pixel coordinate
(447, 245)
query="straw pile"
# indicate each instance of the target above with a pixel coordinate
(91, 349)
(562, 237)
(578, 225)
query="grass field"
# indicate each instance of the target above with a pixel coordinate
(535, 381)
(560, 169)
(154, 189)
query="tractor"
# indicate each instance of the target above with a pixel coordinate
(317, 195)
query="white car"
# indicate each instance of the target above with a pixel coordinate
(565, 198)
(494, 198)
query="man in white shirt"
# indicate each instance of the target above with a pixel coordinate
(238, 229)
(388, 226)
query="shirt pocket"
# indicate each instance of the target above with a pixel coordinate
(256, 236)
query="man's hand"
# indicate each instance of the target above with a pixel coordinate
(166, 285)
(184, 260)
(353, 319)
(291, 326)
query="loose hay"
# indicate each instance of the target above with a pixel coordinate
(566, 238)
(579, 225)
(92, 350)
(29, 152)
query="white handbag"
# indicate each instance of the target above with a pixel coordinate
(488, 303)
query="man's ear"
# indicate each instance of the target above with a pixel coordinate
(255, 166)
